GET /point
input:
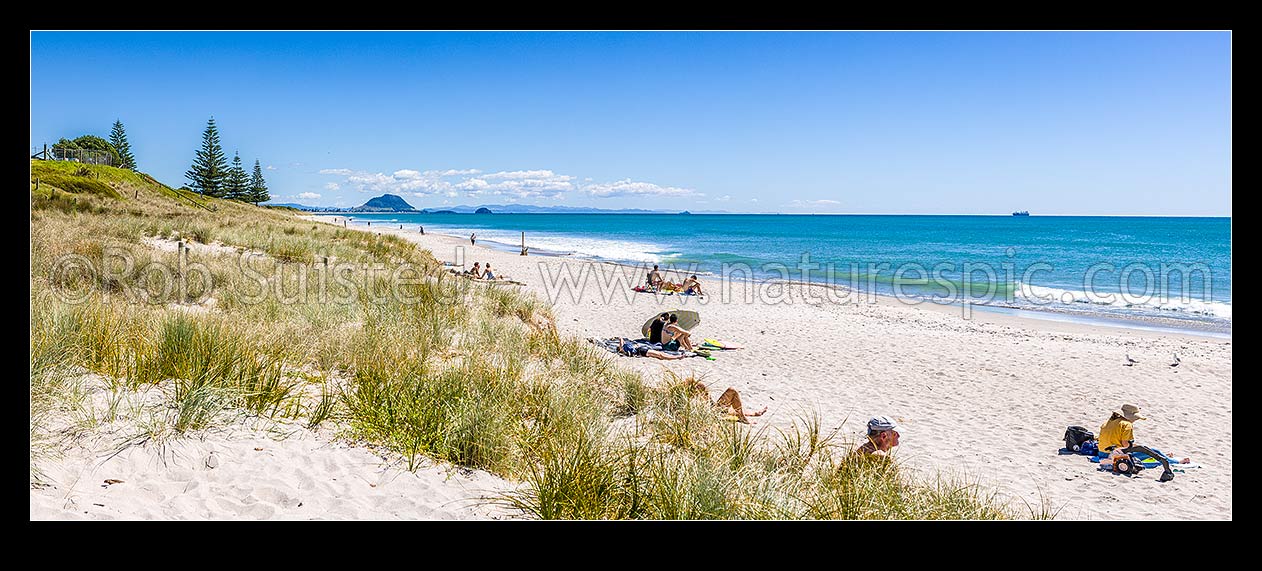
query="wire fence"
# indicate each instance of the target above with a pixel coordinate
(88, 156)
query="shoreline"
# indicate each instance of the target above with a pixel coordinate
(983, 399)
(993, 313)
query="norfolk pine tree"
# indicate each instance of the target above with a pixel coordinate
(118, 138)
(238, 183)
(209, 173)
(258, 188)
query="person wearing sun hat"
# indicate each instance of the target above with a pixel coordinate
(1118, 433)
(882, 437)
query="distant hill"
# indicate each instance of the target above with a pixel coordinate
(385, 203)
(483, 210)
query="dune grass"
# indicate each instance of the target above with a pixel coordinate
(283, 319)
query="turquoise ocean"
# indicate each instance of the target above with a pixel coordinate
(1161, 271)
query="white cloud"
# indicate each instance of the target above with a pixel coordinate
(628, 187)
(307, 195)
(473, 184)
(753, 200)
(452, 172)
(520, 175)
(271, 167)
(724, 198)
(517, 185)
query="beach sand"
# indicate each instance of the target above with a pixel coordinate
(986, 398)
(251, 470)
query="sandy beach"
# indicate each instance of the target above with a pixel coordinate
(250, 470)
(986, 398)
(258, 303)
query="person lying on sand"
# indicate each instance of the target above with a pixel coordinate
(1117, 436)
(692, 286)
(882, 437)
(633, 349)
(729, 402)
(674, 334)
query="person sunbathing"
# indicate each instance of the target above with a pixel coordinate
(729, 402)
(692, 286)
(488, 275)
(633, 349)
(676, 335)
(655, 278)
(477, 269)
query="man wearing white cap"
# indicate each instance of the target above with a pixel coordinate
(1118, 433)
(882, 437)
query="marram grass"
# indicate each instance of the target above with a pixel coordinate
(430, 369)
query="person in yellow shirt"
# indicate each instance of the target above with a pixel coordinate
(1118, 433)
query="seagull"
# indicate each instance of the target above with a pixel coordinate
(1129, 361)
(1177, 360)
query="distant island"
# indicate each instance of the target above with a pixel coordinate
(389, 203)
(385, 203)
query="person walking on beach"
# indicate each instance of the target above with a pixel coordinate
(882, 437)
(1117, 435)
(473, 239)
(673, 332)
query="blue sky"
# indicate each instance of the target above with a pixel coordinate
(868, 122)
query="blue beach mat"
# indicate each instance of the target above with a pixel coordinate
(1146, 461)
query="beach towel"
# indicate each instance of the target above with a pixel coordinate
(642, 289)
(716, 344)
(1145, 461)
(613, 345)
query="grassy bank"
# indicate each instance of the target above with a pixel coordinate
(227, 310)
